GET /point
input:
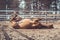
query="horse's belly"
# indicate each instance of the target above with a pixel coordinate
(25, 25)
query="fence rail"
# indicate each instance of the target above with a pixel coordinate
(46, 15)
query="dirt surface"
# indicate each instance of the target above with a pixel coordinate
(29, 34)
(8, 33)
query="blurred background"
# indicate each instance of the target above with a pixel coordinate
(46, 9)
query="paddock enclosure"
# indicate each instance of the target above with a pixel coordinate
(47, 10)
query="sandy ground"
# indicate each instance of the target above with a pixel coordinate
(29, 34)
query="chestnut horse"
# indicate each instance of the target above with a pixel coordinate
(30, 24)
(34, 23)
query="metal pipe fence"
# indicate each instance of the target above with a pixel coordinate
(45, 15)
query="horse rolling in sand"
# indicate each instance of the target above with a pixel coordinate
(19, 23)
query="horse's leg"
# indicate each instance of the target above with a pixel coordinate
(15, 25)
